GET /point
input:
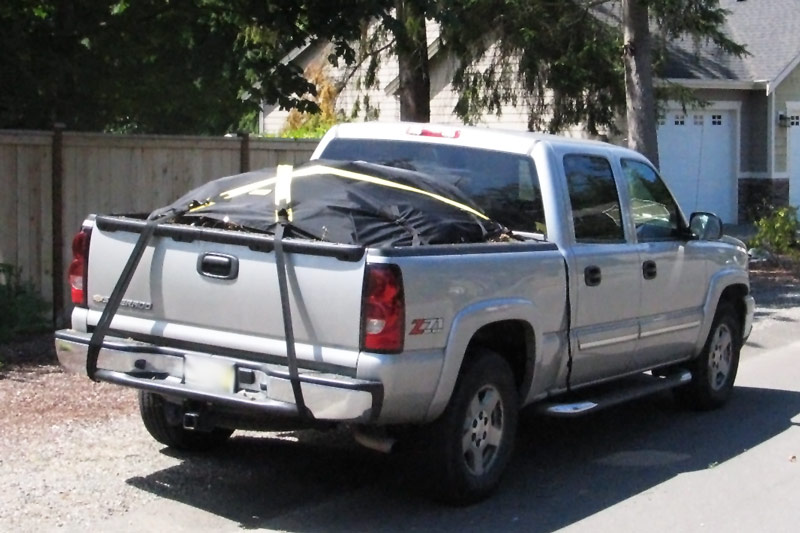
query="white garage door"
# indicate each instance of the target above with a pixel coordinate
(697, 156)
(794, 159)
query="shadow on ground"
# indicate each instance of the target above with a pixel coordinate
(774, 289)
(563, 471)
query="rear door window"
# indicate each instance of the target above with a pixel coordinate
(594, 199)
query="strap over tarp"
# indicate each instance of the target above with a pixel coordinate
(343, 202)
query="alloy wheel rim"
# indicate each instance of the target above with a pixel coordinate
(720, 357)
(483, 430)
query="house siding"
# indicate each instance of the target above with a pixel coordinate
(385, 105)
(755, 133)
(444, 97)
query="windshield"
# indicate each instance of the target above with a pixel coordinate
(505, 186)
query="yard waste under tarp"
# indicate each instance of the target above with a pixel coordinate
(347, 202)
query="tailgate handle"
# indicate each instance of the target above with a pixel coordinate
(218, 266)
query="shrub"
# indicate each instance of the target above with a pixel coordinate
(22, 309)
(777, 232)
(314, 125)
(309, 126)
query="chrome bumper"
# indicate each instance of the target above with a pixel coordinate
(242, 385)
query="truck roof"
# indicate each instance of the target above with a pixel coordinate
(478, 137)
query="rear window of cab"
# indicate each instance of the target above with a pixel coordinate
(505, 186)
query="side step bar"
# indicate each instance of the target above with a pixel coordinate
(595, 399)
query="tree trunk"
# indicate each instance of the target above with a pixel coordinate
(412, 58)
(637, 55)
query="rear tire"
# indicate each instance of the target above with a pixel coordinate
(473, 440)
(714, 370)
(163, 421)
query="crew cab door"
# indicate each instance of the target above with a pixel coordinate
(605, 271)
(675, 280)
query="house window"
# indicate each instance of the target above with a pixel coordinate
(661, 121)
(794, 120)
(716, 120)
(679, 120)
(698, 120)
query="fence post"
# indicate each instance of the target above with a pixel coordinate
(56, 184)
(244, 152)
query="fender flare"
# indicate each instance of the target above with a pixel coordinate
(720, 281)
(465, 324)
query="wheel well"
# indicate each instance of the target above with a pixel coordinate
(734, 295)
(513, 340)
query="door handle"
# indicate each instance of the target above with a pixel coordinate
(592, 275)
(649, 269)
(218, 266)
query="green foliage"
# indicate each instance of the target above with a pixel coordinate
(777, 232)
(307, 125)
(206, 66)
(314, 126)
(558, 57)
(161, 66)
(562, 58)
(22, 309)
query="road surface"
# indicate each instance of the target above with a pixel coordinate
(640, 467)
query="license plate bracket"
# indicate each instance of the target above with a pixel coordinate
(210, 374)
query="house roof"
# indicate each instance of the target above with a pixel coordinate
(770, 29)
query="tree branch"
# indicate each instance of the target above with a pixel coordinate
(343, 83)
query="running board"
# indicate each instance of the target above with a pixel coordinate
(623, 390)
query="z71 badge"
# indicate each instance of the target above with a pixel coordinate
(422, 326)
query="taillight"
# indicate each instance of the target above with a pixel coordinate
(383, 310)
(78, 268)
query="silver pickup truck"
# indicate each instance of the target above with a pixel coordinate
(598, 291)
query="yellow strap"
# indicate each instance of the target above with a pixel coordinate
(322, 169)
(208, 203)
(283, 190)
(282, 183)
(249, 188)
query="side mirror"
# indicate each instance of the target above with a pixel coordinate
(705, 226)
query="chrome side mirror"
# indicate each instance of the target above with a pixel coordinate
(705, 226)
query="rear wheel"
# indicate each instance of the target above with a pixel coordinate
(163, 420)
(474, 438)
(714, 370)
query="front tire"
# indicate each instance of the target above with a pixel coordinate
(474, 438)
(163, 421)
(714, 370)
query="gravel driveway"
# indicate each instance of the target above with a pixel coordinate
(73, 453)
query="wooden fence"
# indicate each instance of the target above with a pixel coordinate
(52, 180)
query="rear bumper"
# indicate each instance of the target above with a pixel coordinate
(241, 385)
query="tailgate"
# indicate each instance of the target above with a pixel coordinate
(220, 288)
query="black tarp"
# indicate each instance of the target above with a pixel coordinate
(348, 202)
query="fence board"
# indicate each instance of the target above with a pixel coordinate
(105, 173)
(8, 205)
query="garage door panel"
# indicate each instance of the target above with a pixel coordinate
(794, 158)
(697, 155)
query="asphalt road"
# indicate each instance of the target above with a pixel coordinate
(640, 467)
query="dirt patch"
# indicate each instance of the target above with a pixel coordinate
(36, 392)
(30, 350)
(775, 284)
